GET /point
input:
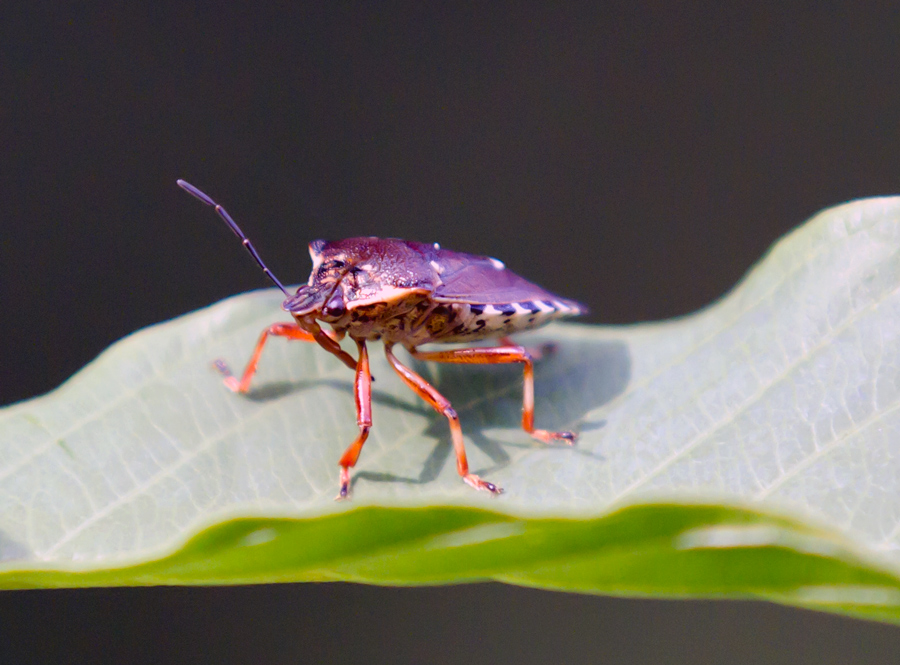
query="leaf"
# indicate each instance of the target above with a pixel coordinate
(750, 449)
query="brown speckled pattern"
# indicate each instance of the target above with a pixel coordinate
(418, 321)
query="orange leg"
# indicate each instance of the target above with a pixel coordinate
(329, 342)
(291, 331)
(502, 355)
(440, 404)
(536, 352)
(363, 394)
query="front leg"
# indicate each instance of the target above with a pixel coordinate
(291, 331)
(502, 355)
(362, 391)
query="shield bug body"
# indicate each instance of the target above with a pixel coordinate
(411, 294)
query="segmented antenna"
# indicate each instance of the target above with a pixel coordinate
(245, 241)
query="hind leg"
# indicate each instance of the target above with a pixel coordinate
(497, 355)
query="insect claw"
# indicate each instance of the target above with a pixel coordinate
(230, 382)
(552, 437)
(222, 367)
(474, 481)
(345, 485)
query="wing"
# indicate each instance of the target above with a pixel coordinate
(481, 280)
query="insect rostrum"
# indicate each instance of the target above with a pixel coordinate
(408, 293)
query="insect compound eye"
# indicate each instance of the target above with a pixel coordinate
(335, 306)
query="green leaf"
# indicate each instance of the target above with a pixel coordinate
(749, 450)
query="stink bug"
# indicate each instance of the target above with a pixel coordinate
(408, 293)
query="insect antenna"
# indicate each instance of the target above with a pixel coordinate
(245, 241)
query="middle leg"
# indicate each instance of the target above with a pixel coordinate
(440, 404)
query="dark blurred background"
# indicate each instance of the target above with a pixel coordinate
(636, 156)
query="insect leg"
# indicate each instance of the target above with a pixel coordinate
(536, 352)
(502, 355)
(329, 342)
(440, 404)
(289, 330)
(362, 390)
